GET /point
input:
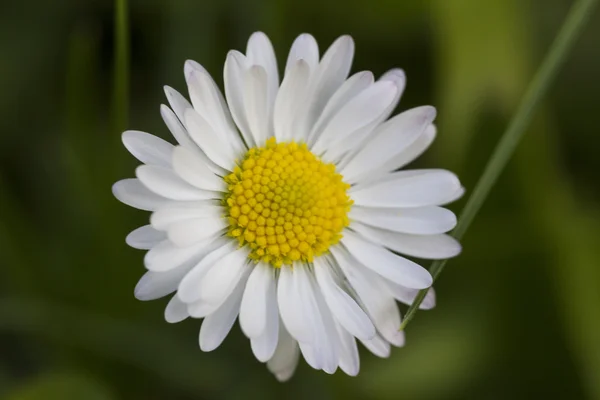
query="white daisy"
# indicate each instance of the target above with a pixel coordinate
(283, 204)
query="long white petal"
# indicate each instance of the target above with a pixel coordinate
(154, 285)
(194, 171)
(145, 237)
(304, 48)
(176, 310)
(189, 287)
(284, 361)
(166, 256)
(166, 183)
(218, 324)
(148, 148)
(260, 52)
(348, 351)
(236, 65)
(178, 103)
(179, 211)
(418, 221)
(224, 275)
(214, 146)
(259, 290)
(385, 263)
(192, 231)
(412, 188)
(290, 304)
(256, 103)
(133, 193)
(407, 296)
(359, 112)
(429, 247)
(390, 140)
(264, 346)
(378, 346)
(289, 99)
(342, 306)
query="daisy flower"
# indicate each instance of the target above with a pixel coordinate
(283, 205)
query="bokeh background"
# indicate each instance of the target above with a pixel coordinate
(518, 313)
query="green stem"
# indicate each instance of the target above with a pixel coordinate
(121, 72)
(536, 91)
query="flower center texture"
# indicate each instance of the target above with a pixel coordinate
(285, 203)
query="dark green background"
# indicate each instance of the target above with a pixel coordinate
(518, 313)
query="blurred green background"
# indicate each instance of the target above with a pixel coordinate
(518, 312)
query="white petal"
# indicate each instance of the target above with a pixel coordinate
(327, 336)
(166, 183)
(176, 310)
(455, 196)
(236, 65)
(327, 77)
(374, 296)
(259, 290)
(305, 48)
(378, 346)
(430, 247)
(398, 77)
(194, 171)
(178, 211)
(352, 87)
(192, 231)
(184, 139)
(289, 99)
(165, 255)
(290, 304)
(407, 296)
(349, 358)
(210, 104)
(413, 150)
(256, 103)
(359, 112)
(133, 193)
(343, 307)
(413, 188)
(264, 345)
(284, 361)
(145, 237)
(387, 264)
(178, 103)
(218, 324)
(148, 148)
(260, 52)
(223, 276)
(212, 144)
(189, 287)
(154, 285)
(389, 140)
(418, 221)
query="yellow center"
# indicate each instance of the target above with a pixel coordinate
(285, 203)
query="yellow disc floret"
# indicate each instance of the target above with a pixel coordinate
(285, 203)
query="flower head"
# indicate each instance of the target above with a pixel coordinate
(285, 205)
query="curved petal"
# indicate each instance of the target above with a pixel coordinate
(218, 324)
(260, 288)
(213, 145)
(407, 296)
(166, 256)
(429, 247)
(133, 193)
(154, 285)
(417, 221)
(180, 211)
(290, 304)
(188, 232)
(348, 350)
(194, 171)
(256, 104)
(284, 361)
(145, 237)
(176, 310)
(166, 183)
(148, 148)
(260, 52)
(236, 65)
(223, 276)
(304, 48)
(178, 103)
(343, 307)
(264, 346)
(378, 346)
(412, 188)
(289, 99)
(389, 140)
(387, 264)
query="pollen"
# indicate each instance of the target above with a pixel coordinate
(285, 203)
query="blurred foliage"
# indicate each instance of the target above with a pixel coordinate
(518, 310)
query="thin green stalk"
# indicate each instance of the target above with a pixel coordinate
(121, 67)
(536, 91)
